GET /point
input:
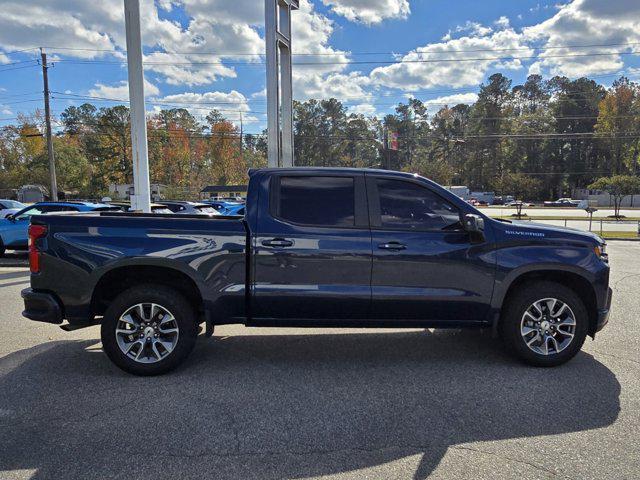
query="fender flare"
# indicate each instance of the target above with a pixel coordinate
(503, 285)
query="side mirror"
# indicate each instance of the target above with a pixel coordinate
(473, 223)
(10, 217)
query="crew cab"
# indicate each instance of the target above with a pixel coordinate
(317, 248)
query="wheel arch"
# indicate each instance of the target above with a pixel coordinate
(110, 283)
(570, 278)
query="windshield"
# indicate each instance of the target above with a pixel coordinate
(28, 213)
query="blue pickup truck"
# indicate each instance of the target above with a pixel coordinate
(317, 248)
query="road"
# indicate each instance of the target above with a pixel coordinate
(559, 212)
(350, 404)
(600, 222)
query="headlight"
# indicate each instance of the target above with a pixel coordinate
(601, 252)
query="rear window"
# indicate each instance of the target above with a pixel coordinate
(317, 201)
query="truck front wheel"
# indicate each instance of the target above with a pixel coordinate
(149, 330)
(544, 324)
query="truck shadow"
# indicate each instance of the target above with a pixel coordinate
(286, 406)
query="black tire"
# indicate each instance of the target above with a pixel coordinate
(520, 301)
(170, 300)
(2, 248)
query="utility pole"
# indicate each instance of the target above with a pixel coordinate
(141, 199)
(47, 114)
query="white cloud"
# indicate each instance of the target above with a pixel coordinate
(84, 29)
(363, 109)
(502, 22)
(260, 94)
(370, 11)
(633, 73)
(120, 91)
(336, 85)
(229, 104)
(586, 22)
(311, 34)
(436, 104)
(457, 62)
(473, 29)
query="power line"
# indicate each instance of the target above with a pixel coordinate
(22, 101)
(356, 62)
(191, 105)
(339, 52)
(13, 95)
(19, 68)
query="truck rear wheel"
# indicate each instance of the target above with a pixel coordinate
(149, 330)
(544, 324)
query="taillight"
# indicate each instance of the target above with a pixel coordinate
(35, 232)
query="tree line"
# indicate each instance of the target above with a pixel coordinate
(537, 140)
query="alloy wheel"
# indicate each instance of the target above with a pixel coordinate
(147, 332)
(548, 326)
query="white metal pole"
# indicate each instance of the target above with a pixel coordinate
(140, 200)
(286, 107)
(273, 84)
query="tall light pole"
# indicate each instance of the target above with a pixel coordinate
(279, 82)
(140, 200)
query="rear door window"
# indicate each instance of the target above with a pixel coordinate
(317, 201)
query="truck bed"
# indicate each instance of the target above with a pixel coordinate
(82, 249)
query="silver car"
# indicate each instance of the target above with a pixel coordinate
(190, 208)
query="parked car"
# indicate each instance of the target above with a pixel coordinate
(563, 202)
(324, 248)
(221, 205)
(234, 210)
(189, 208)
(520, 203)
(503, 200)
(155, 207)
(7, 207)
(14, 228)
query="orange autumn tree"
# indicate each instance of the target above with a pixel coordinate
(224, 164)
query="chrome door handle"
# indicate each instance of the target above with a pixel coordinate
(392, 246)
(277, 242)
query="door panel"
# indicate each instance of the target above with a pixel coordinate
(322, 275)
(424, 266)
(438, 276)
(304, 271)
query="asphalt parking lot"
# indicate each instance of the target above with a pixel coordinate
(348, 404)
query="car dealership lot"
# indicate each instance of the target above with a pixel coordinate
(292, 403)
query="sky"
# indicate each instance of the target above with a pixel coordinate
(370, 54)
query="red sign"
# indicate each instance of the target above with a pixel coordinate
(394, 144)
